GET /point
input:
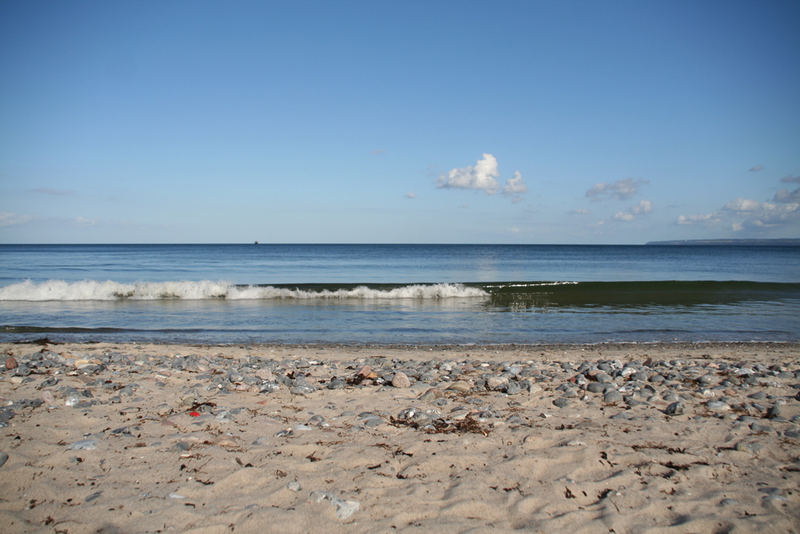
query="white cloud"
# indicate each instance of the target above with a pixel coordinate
(515, 185)
(621, 189)
(694, 219)
(624, 216)
(756, 168)
(748, 214)
(83, 221)
(642, 208)
(482, 177)
(742, 204)
(579, 212)
(755, 214)
(8, 218)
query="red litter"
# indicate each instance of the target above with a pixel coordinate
(194, 414)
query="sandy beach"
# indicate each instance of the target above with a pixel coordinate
(603, 438)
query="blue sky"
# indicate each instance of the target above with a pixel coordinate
(463, 122)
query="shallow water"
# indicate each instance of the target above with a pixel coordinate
(410, 294)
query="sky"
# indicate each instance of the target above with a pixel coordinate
(398, 122)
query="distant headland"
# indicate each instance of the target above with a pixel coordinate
(744, 242)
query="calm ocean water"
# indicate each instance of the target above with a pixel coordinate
(404, 294)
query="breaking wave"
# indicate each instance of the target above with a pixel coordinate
(536, 294)
(59, 290)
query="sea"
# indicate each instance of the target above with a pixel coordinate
(399, 294)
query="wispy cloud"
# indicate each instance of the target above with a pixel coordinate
(621, 189)
(8, 218)
(83, 221)
(791, 179)
(784, 196)
(754, 214)
(749, 214)
(742, 205)
(515, 185)
(642, 208)
(756, 168)
(411, 195)
(695, 219)
(483, 176)
(579, 212)
(377, 152)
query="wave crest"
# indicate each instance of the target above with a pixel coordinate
(59, 290)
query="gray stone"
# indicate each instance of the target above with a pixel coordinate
(84, 445)
(595, 387)
(774, 412)
(515, 420)
(3, 458)
(561, 402)
(717, 406)
(676, 408)
(612, 396)
(336, 383)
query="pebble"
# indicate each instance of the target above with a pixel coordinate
(717, 406)
(774, 412)
(3, 458)
(595, 387)
(448, 393)
(676, 408)
(84, 445)
(459, 387)
(401, 380)
(11, 363)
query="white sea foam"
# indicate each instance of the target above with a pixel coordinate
(535, 284)
(59, 290)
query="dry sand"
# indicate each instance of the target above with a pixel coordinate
(190, 446)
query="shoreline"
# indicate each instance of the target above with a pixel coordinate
(328, 438)
(688, 345)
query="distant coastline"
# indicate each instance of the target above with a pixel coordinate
(744, 242)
